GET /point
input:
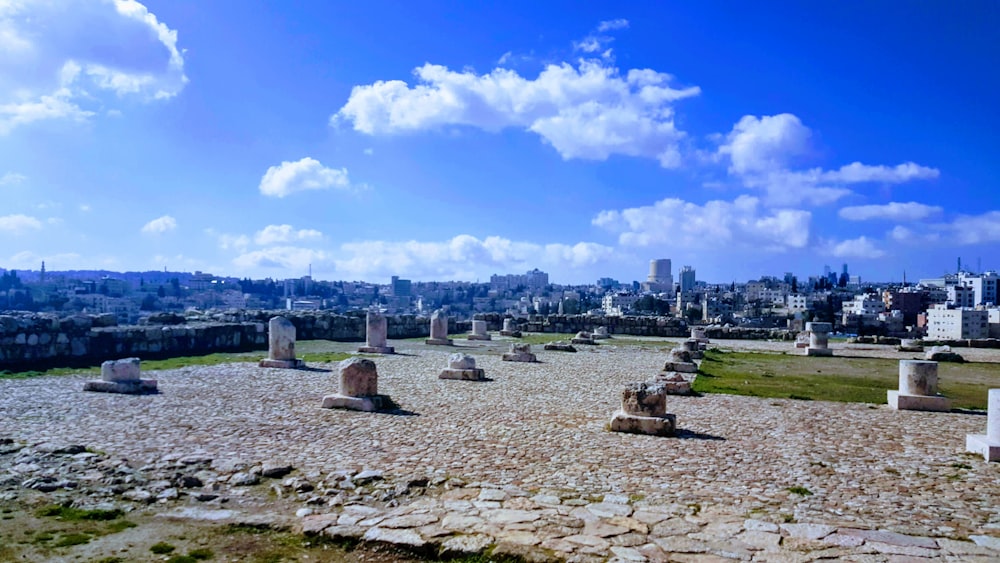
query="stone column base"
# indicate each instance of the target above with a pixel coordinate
(371, 403)
(583, 341)
(438, 341)
(288, 364)
(519, 358)
(681, 367)
(981, 444)
(559, 347)
(511, 333)
(652, 425)
(901, 402)
(474, 374)
(819, 351)
(137, 387)
(376, 349)
(479, 337)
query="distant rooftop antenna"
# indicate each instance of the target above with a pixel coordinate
(959, 263)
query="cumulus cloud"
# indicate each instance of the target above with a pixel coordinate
(12, 179)
(71, 58)
(973, 229)
(762, 151)
(272, 234)
(19, 224)
(861, 247)
(611, 25)
(461, 257)
(590, 110)
(160, 225)
(292, 258)
(674, 223)
(894, 211)
(302, 175)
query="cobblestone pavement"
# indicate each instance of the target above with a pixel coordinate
(523, 461)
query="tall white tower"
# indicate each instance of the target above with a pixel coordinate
(660, 277)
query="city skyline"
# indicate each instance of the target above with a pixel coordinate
(457, 142)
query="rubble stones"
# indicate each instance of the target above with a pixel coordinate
(519, 353)
(560, 346)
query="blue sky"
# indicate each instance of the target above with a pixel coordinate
(454, 140)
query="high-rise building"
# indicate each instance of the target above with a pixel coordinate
(660, 276)
(687, 279)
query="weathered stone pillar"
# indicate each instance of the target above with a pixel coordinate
(510, 328)
(644, 411)
(376, 328)
(519, 353)
(601, 333)
(121, 376)
(583, 337)
(988, 444)
(479, 331)
(918, 388)
(462, 366)
(819, 338)
(439, 330)
(358, 388)
(281, 345)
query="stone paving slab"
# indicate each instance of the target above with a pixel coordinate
(528, 465)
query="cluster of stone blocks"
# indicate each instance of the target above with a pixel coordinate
(462, 366)
(644, 410)
(519, 353)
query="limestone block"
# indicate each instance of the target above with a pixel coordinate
(519, 353)
(679, 355)
(904, 402)
(439, 330)
(560, 346)
(819, 351)
(285, 364)
(376, 330)
(471, 374)
(137, 387)
(910, 345)
(583, 337)
(943, 354)
(358, 378)
(651, 425)
(461, 361)
(601, 333)
(365, 404)
(479, 331)
(988, 444)
(918, 377)
(280, 339)
(120, 370)
(681, 367)
(675, 383)
(644, 399)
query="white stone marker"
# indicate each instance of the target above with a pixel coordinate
(358, 388)
(819, 339)
(519, 353)
(479, 331)
(121, 376)
(439, 330)
(988, 444)
(376, 329)
(462, 366)
(644, 410)
(510, 328)
(698, 333)
(918, 388)
(281, 345)
(601, 333)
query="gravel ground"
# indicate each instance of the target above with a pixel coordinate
(541, 428)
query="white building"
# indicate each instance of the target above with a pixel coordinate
(796, 302)
(957, 324)
(984, 287)
(961, 296)
(687, 279)
(615, 304)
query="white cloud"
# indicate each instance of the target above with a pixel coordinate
(861, 247)
(12, 179)
(72, 58)
(973, 229)
(272, 234)
(894, 211)
(586, 111)
(160, 225)
(84, 207)
(610, 25)
(291, 258)
(19, 224)
(369, 151)
(27, 260)
(675, 224)
(302, 175)
(761, 152)
(462, 257)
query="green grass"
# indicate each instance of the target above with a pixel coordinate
(75, 538)
(800, 491)
(853, 380)
(161, 548)
(68, 514)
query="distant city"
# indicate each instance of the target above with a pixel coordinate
(960, 305)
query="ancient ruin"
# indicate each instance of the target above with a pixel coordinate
(375, 342)
(943, 354)
(281, 345)
(644, 410)
(510, 328)
(601, 333)
(462, 366)
(819, 338)
(583, 338)
(988, 444)
(918, 381)
(358, 388)
(439, 330)
(910, 345)
(519, 353)
(559, 346)
(479, 331)
(121, 376)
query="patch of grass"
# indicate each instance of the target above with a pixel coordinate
(961, 466)
(182, 559)
(74, 538)
(326, 357)
(161, 548)
(42, 537)
(800, 491)
(854, 380)
(201, 554)
(694, 508)
(119, 526)
(109, 560)
(891, 471)
(788, 518)
(69, 514)
(539, 338)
